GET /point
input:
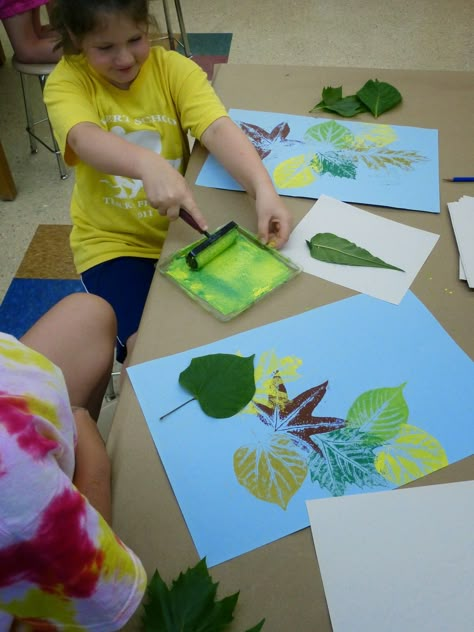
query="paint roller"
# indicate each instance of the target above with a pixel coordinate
(211, 247)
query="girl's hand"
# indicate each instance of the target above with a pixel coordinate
(167, 190)
(274, 219)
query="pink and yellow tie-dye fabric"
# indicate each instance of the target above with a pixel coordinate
(61, 566)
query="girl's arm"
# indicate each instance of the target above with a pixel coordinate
(165, 187)
(227, 142)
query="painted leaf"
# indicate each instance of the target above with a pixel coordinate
(222, 383)
(331, 132)
(333, 249)
(338, 165)
(294, 173)
(347, 106)
(264, 142)
(190, 604)
(379, 96)
(268, 367)
(409, 455)
(377, 135)
(294, 416)
(380, 412)
(272, 472)
(384, 158)
(344, 457)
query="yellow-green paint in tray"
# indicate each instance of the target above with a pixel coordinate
(236, 279)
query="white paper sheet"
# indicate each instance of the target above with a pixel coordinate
(398, 561)
(462, 219)
(395, 243)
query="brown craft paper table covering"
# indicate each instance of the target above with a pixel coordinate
(281, 580)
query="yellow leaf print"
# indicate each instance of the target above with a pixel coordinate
(411, 454)
(295, 172)
(273, 472)
(375, 135)
(266, 383)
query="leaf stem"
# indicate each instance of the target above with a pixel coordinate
(177, 408)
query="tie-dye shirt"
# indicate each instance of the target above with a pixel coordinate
(61, 566)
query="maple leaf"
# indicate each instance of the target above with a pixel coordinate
(189, 605)
(264, 141)
(294, 417)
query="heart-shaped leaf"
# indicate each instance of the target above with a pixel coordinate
(272, 471)
(411, 454)
(223, 383)
(333, 249)
(381, 412)
(379, 96)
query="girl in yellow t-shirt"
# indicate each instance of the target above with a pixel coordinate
(121, 111)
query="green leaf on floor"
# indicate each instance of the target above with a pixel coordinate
(330, 248)
(190, 604)
(379, 96)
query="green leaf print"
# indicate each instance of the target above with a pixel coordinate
(381, 412)
(345, 457)
(331, 132)
(337, 164)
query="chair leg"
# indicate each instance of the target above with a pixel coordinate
(30, 124)
(169, 26)
(182, 28)
(55, 148)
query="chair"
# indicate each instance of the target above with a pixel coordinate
(41, 71)
(183, 41)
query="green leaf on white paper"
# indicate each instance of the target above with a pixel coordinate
(333, 249)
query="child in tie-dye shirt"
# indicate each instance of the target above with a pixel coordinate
(61, 565)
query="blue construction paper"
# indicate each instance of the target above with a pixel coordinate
(357, 344)
(365, 163)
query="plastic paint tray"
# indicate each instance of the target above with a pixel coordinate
(236, 279)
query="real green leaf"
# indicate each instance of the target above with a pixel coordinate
(348, 106)
(379, 96)
(190, 604)
(331, 95)
(222, 383)
(334, 249)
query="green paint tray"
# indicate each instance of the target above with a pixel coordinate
(234, 280)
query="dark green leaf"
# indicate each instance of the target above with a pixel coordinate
(331, 95)
(379, 96)
(333, 249)
(189, 605)
(348, 106)
(222, 383)
(319, 106)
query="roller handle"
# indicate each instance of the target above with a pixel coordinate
(189, 219)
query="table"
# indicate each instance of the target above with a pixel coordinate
(281, 581)
(7, 184)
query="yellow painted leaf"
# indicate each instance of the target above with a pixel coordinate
(295, 172)
(272, 471)
(411, 454)
(378, 135)
(269, 365)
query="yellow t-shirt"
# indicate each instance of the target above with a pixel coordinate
(171, 96)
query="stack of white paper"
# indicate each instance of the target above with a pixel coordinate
(462, 218)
